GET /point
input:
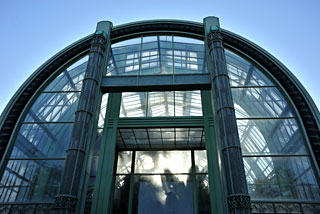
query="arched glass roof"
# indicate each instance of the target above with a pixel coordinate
(277, 159)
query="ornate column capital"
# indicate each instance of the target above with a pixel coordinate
(214, 37)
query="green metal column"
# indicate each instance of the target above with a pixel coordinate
(237, 191)
(215, 168)
(103, 189)
(67, 200)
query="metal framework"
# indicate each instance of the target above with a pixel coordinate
(234, 196)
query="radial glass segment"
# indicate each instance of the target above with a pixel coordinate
(34, 167)
(276, 160)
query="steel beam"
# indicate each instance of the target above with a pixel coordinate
(156, 82)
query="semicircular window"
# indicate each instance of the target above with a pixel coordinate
(157, 55)
(277, 163)
(34, 167)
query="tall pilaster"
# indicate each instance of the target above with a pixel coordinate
(237, 192)
(68, 197)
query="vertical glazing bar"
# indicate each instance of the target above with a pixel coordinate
(237, 191)
(67, 200)
(131, 182)
(103, 189)
(194, 184)
(215, 167)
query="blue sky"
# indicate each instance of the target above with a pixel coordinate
(32, 31)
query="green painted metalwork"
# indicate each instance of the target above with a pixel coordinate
(215, 166)
(103, 192)
(165, 122)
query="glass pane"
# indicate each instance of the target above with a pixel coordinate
(125, 60)
(260, 102)
(243, 73)
(281, 178)
(121, 194)
(97, 143)
(70, 79)
(126, 43)
(94, 166)
(124, 162)
(42, 141)
(158, 56)
(163, 194)
(133, 104)
(188, 58)
(160, 138)
(270, 136)
(160, 104)
(203, 194)
(25, 180)
(103, 110)
(201, 163)
(188, 103)
(54, 107)
(163, 162)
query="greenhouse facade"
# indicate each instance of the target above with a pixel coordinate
(160, 116)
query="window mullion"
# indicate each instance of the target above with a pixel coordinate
(131, 182)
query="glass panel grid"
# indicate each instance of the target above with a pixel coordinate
(244, 73)
(287, 178)
(260, 102)
(275, 158)
(161, 104)
(36, 162)
(29, 180)
(54, 107)
(166, 138)
(161, 182)
(157, 55)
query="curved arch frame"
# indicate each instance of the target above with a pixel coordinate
(307, 109)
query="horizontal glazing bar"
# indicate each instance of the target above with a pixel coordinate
(277, 155)
(49, 122)
(265, 118)
(156, 82)
(53, 158)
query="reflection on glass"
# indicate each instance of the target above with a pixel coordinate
(188, 103)
(103, 110)
(163, 161)
(260, 102)
(163, 182)
(54, 107)
(162, 194)
(121, 194)
(161, 104)
(25, 180)
(243, 73)
(70, 79)
(157, 55)
(272, 136)
(201, 163)
(203, 194)
(133, 104)
(289, 178)
(124, 162)
(42, 141)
